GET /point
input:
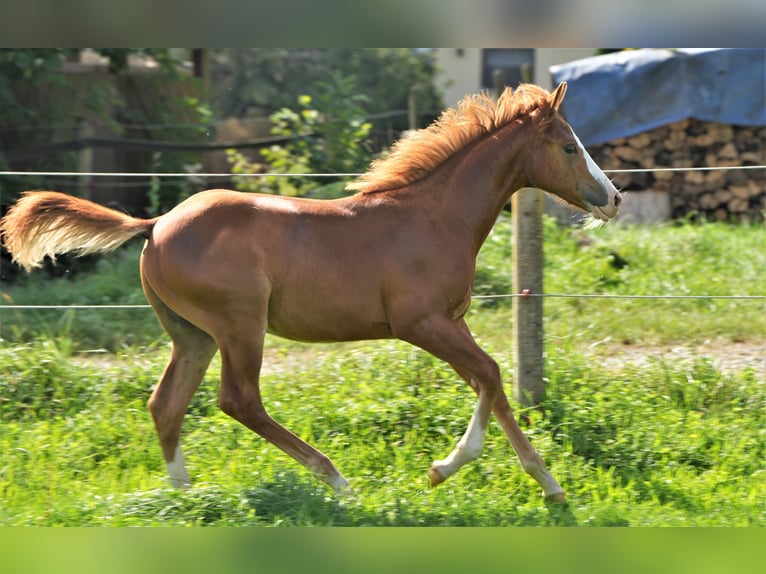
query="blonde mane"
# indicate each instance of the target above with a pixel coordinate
(414, 157)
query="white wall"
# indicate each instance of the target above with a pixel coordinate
(460, 68)
(459, 73)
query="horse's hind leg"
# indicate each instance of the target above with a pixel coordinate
(191, 354)
(240, 398)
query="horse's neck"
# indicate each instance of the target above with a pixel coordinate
(481, 179)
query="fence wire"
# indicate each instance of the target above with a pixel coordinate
(322, 175)
(474, 297)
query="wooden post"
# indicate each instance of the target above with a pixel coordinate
(85, 159)
(527, 211)
(498, 76)
(527, 207)
(412, 108)
(203, 68)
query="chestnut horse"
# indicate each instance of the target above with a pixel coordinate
(395, 260)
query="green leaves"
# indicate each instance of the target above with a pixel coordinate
(329, 135)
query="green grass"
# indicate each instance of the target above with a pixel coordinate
(115, 282)
(655, 442)
(663, 445)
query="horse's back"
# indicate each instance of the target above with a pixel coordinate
(299, 261)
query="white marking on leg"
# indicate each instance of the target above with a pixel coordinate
(177, 474)
(338, 483)
(466, 450)
(530, 459)
(534, 466)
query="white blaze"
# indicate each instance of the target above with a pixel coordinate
(594, 170)
(614, 198)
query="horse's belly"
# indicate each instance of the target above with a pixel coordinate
(330, 318)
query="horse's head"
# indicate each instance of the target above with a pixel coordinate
(557, 162)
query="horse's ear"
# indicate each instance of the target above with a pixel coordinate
(558, 95)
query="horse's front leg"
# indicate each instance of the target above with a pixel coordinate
(452, 341)
(444, 338)
(530, 459)
(468, 447)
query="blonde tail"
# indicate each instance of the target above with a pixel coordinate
(47, 223)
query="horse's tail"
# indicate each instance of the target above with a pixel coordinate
(47, 223)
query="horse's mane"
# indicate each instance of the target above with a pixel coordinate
(413, 157)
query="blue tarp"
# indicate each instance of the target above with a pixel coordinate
(626, 93)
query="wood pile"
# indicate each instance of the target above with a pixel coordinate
(715, 194)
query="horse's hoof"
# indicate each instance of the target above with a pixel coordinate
(338, 484)
(345, 491)
(558, 498)
(434, 476)
(179, 483)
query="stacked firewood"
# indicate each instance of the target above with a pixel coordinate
(715, 194)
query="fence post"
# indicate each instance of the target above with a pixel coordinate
(527, 212)
(85, 159)
(527, 207)
(498, 77)
(412, 107)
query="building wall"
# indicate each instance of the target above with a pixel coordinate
(461, 68)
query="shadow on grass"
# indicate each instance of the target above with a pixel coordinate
(295, 500)
(561, 514)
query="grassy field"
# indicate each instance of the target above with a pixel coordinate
(644, 441)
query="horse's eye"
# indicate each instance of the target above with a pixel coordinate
(570, 148)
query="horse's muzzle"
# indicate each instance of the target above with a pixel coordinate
(603, 201)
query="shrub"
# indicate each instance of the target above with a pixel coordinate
(328, 136)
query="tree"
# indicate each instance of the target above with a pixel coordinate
(329, 133)
(261, 81)
(39, 104)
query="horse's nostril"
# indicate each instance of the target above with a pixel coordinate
(617, 199)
